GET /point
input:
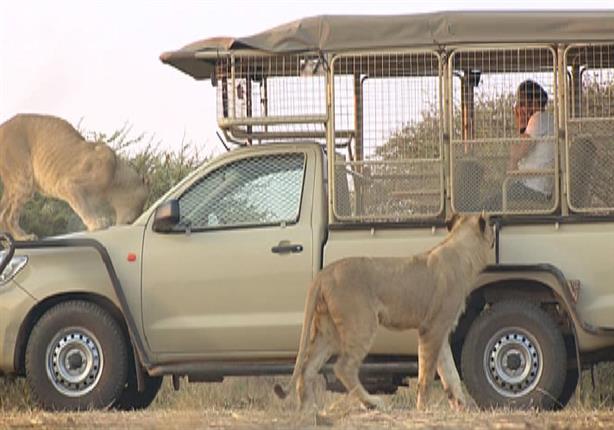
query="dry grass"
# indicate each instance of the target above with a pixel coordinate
(258, 419)
(247, 403)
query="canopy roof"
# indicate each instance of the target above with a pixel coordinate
(336, 33)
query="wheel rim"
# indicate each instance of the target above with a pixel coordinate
(513, 362)
(74, 362)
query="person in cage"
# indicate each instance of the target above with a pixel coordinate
(532, 121)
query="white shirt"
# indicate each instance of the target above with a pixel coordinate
(542, 155)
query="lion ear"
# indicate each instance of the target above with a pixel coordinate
(482, 222)
(451, 221)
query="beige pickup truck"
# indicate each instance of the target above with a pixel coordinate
(351, 142)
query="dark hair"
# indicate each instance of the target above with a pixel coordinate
(530, 92)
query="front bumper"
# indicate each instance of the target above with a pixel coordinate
(15, 304)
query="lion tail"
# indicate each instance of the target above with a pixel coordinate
(310, 309)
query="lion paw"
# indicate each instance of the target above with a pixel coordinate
(26, 237)
(99, 224)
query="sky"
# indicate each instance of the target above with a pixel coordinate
(96, 63)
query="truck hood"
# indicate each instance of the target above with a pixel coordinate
(115, 238)
(97, 235)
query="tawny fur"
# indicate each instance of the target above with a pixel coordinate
(351, 297)
(46, 154)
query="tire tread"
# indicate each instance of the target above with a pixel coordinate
(37, 380)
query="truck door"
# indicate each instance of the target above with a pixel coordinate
(234, 275)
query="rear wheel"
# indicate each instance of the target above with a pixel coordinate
(514, 356)
(76, 358)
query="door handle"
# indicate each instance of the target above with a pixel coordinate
(287, 248)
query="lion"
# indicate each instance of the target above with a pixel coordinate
(46, 154)
(349, 299)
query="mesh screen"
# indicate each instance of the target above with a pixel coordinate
(255, 191)
(493, 123)
(590, 127)
(388, 191)
(272, 97)
(388, 106)
(482, 180)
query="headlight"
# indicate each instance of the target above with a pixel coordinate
(17, 263)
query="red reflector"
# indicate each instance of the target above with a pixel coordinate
(131, 256)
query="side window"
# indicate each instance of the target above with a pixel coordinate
(256, 191)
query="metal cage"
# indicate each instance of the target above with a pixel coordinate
(389, 106)
(589, 143)
(383, 115)
(490, 128)
(271, 97)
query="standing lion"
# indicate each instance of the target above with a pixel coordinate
(46, 154)
(351, 297)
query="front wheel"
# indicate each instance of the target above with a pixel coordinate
(514, 356)
(133, 400)
(76, 358)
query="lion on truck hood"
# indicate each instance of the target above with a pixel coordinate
(46, 154)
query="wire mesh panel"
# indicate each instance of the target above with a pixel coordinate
(590, 127)
(390, 167)
(272, 97)
(503, 130)
(261, 190)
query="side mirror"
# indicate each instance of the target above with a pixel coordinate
(166, 216)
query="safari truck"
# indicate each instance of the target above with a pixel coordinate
(354, 136)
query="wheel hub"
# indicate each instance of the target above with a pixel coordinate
(513, 362)
(74, 362)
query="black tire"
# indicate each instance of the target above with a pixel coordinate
(569, 389)
(514, 356)
(76, 358)
(132, 400)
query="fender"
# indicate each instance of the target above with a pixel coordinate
(551, 277)
(140, 349)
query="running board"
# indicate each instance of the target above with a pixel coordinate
(216, 371)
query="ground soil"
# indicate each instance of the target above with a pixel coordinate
(355, 419)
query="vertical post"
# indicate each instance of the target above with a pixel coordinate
(265, 100)
(467, 105)
(445, 84)
(233, 86)
(248, 105)
(576, 91)
(358, 141)
(358, 113)
(566, 108)
(224, 97)
(330, 137)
